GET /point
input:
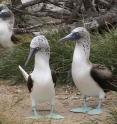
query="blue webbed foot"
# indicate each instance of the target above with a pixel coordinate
(54, 116)
(81, 110)
(96, 111)
(36, 117)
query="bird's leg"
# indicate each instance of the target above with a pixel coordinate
(52, 114)
(52, 110)
(34, 108)
(83, 109)
(35, 114)
(97, 110)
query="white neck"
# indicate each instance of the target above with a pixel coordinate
(82, 52)
(41, 61)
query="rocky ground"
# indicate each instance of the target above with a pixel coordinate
(15, 106)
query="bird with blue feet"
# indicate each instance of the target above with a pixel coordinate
(93, 80)
(39, 82)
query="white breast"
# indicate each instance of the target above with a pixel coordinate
(81, 75)
(5, 35)
(43, 87)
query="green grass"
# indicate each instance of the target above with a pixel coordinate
(103, 51)
(113, 118)
(10, 60)
(61, 56)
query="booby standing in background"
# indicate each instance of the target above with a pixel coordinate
(39, 82)
(6, 26)
(91, 80)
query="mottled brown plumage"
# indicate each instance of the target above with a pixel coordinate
(104, 78)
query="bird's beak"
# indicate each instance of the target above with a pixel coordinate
(31, 54)
(70, 37)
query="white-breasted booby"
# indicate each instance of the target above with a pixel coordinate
(39, 82)
(90, 79)
(6, 26)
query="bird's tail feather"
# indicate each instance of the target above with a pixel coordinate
(114, 83)
(24, 73)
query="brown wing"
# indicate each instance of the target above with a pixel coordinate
(30, 83)
(103, 71)
(14, 39)
(103, 76)
(54, 77)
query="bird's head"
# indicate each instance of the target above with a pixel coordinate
(76, 35)
(38, 44)
(5, 12)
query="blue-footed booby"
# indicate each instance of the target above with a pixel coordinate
(6, 26)
(91, 79)
(39, 82)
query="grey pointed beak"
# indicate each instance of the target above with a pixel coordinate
(31, 54)
(70, 37)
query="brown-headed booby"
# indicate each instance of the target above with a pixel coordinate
(39, 82)
(90, 79)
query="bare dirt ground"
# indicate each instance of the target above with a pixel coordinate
(15, 106)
